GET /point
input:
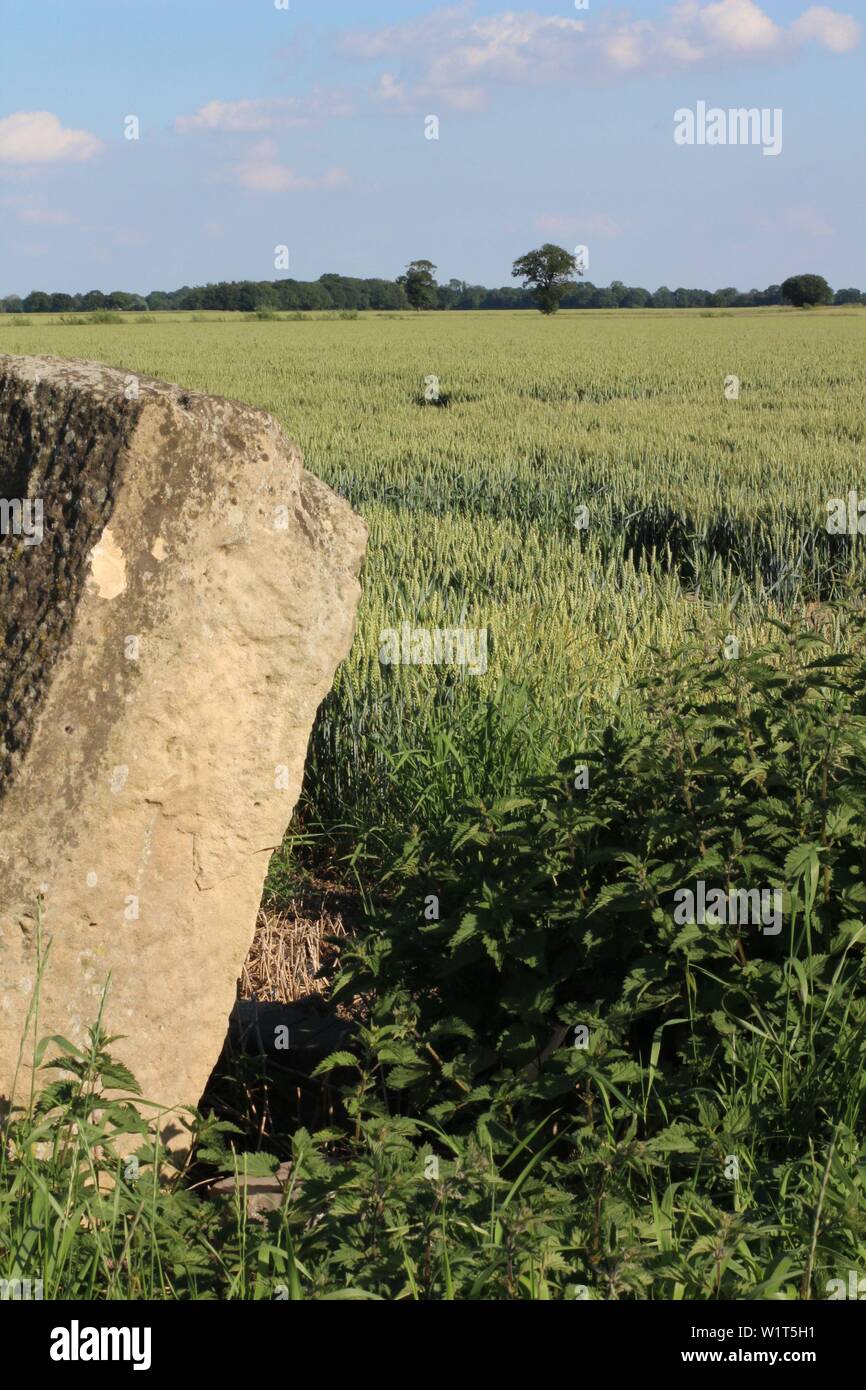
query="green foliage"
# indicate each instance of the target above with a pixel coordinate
(703, 1138)
(721, 1059)
(105, 316)
(419, 284)
(806, 290)
(549, 271)
(332, 291)
(557, 906)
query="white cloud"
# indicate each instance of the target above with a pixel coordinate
(248, 115)
(739, 26)
(37, 137)
(837, 32)
(263, 173)
(423, 34)
(626, 46)
(451, 55)
(508, 48)
(680, 49)
(456, 58)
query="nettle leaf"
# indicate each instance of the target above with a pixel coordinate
(850, 930)
(801, 859)
(621, 1072)
(451, 1028)
(713, 862)
(466, 930)
(837, 659)
(752, 863)
(334, 1060)
(401, 1078)
(399, 1053)
(620, 897)
(838, 821)
(509, 804)
(115, 1076)
(675, 1138)
(494, 949)
(689, 935)
(443, 1111)
(255, 1165)
(666, 876)
(470, 834)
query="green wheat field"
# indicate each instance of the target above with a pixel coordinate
(704, 515)
(592, 492)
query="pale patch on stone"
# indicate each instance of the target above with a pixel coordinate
(158, 550)
(108, 567)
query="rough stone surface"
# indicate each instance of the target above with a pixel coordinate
(262, 1195)
(163, 651)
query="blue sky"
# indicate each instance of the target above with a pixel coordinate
(305, 126)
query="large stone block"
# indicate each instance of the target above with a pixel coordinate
(174, 602)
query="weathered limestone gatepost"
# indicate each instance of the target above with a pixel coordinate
(176, 592)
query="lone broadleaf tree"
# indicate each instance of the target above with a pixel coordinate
(549, 271)
(419, 284)
(806, 289)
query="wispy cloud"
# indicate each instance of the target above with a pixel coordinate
(262, 172)
(805, 219)
(27, 210)
(261, 114)
(808, 221)
(38, 137)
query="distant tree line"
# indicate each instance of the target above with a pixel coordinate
(344, 292)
